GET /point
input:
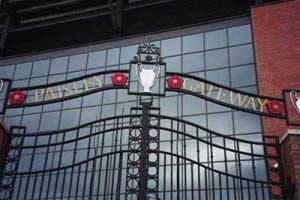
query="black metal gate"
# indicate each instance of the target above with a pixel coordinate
(128, 157)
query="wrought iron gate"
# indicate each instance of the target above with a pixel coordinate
(194, 163)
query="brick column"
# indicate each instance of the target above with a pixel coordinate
(276, 32)
(3, 144)
(290, 149)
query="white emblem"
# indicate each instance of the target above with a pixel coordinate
(295, 99)
(1, 85)
(147, 75)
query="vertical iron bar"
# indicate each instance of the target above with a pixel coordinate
(144, 155)
(206, 188)
(198, 167)
(171, 157)
(226, 167)
(118, 187)
(165, 176)
(114, 159)
(100, 162)
(192, 180)
(254, 170)
(94, 162)
(240, 170)
(220, 186)
(88, 163)
(212, 165)
(249, 190)
(184, 168)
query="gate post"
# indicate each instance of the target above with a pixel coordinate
(290, 151)
(143, 171)
(4, 139)
(143, 156)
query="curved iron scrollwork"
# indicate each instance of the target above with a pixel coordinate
(178, 169)
(148, 53)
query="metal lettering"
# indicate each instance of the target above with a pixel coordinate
(39, 93)
(49, 93)
(262, 104)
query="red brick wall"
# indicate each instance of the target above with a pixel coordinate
(3, 143)
(276, 29)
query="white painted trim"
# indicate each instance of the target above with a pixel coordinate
(3, 126)
(289, 132)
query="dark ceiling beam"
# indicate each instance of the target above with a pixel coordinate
(10, 21)
(48, 5)
(83, 14)
(112, 12)
(82, 11)
(118, 18)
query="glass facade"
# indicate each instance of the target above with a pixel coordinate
(224, 56)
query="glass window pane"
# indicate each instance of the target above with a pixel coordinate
(12, 121)
(7, 71)
(89, 114)
(108, 110)
(171, 47)
(22, 83)
(198, 119)
(40, 68)
(243, 76)
(92, 99)
(59, 65)
(169, 106)
(23, 71)
(213, 107)
(69, 118)
(252, 89)
(73, 103)
(38, 81)
(219, 76)
(113, 56)
(173, 64)
(216, 59)
(193, 105)
(220, 122)
(239, 35)
(246, 123)
(31, 122)
(109, 96)
(78, 62)
(193, 62)
(127, 53)
(241, 55)
(96, 59)
(56, 78)
(193, 43)
(72, 75)
(49, 121)
(215, 39)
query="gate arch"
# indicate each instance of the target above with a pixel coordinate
(183, 174)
